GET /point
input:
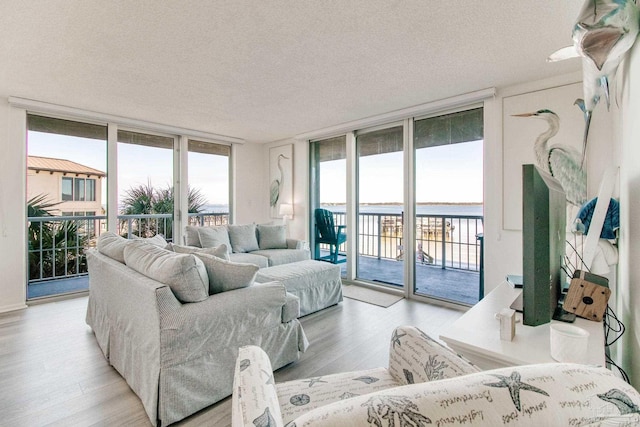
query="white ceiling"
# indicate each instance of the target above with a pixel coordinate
(268, 70)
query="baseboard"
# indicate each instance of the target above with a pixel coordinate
(8, 308)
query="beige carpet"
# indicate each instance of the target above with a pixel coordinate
(370, 296)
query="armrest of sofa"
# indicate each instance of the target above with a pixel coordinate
(414, 357)
(297, 244)
(255, 400)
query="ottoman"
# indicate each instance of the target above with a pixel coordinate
(317, 284)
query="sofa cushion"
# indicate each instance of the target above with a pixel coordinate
(226, 275)
(220, 251)
(283, 256)
(213, 236)
(112, 245)
(243, 238)
(191, 237)
(272, 236)
(183, 273)
(258, 260)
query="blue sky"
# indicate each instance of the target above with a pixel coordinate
(447, 173)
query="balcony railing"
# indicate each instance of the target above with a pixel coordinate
(56, 244)
(448, 241)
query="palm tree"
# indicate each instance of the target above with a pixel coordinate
(55, 247)
(143, 199)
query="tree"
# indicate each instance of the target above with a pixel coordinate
(143, 199)
(56, 248)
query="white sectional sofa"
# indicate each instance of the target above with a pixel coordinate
(264, 245)
(172, 323)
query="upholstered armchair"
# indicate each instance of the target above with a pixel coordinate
(426, 383)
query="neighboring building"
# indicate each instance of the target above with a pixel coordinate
(77, 188)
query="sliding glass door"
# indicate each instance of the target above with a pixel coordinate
(380, 189)
(448, 153)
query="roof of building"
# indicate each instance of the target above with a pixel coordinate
(51, 164)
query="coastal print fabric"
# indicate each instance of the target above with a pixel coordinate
(183, 273)
(414, 357)
(272, 236)
(221, 251)
(534, 395)
(301, 396)
(243, 238)
(226, 275)
(213, 236)
(254, 377)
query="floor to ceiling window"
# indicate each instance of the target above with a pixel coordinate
(208, 178)
(380, 205)
(448, 197)
(67, 192)
(417, 203)
(328, 176)
(145, 184)
(66, 201)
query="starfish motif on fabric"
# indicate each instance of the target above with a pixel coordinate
(395, 339)
(269, 375)
(313, 381)
(514, 385)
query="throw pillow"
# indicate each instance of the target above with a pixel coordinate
(112, 245)
(220, 251)
(226, 275)
(243, 238)
(191, 237)
(213, 236)
(156, 240)
(272, 236)
(183, 273)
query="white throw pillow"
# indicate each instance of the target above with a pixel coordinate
(243, 238)
(112, 245)
(226, 275)
(213, 236)
(272, 236)
(183, 273)
(191, 237)
(157, 240)
(219, 251)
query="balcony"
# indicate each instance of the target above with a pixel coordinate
(448, 262)
(56, 245)
(447, 250)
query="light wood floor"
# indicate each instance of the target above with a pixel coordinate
(53, 373)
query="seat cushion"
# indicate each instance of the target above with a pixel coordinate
(301, 396)
(258, 260)
(283, 256)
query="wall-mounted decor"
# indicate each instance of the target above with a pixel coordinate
(280, 178)
(521, 133)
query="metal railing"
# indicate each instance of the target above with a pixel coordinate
(56, 244)
(449, 241)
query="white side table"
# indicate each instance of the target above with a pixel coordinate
(476, 335)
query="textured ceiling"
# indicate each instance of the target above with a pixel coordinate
(268, 70)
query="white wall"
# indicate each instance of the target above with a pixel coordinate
(250, 201)
(503, 247)
(628, 292)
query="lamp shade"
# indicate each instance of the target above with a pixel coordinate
(286, 209)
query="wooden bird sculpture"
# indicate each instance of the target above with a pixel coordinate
(563, 162)
(603, 33)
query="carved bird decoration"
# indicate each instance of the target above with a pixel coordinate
(563, 162)
(603, 33)
(276, 184)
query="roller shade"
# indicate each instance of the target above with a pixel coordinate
(129, 137)
(66, 127)
(209, 148)
(453, 128)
